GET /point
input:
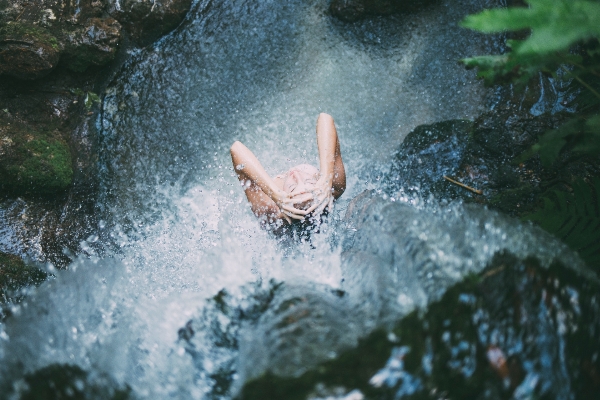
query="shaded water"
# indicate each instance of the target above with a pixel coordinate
(171, 212)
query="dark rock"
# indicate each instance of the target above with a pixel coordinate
(395, 258)
(93, 44)
(303, 326)
(147, 20)
(15, 275)
(27, 51)
(353, 10)
(515, 330)
(427, 154)
(68, 382)
(480, 155)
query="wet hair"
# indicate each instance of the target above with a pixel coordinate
(311, 174)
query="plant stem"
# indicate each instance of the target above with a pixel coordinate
(462, 185)
(588, 87)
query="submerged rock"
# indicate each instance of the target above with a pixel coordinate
(396, 258)
(303, 325)
(353, 10)
(65, 381)
(516, 329)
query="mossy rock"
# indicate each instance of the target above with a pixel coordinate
(27, 51)
(34, 162)
(15, 274)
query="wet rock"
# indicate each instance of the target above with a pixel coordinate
(33, 161)
(427, 154)
(514, 330)
(304, 325)
(27, 51)
(15, 275)
(65, 381)
(353, 10)
(395, 258)
(147, 20)
(480, 155)
(93, 44)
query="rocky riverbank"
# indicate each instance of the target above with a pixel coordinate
(56, 58)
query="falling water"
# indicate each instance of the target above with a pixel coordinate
(175, 228)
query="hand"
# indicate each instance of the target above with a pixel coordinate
(285, 203)
(323, 197)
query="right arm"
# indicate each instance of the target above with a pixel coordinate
(332, 175)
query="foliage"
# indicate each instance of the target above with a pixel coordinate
(574, 218)
(563, 42)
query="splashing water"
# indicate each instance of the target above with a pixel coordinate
(172, 213)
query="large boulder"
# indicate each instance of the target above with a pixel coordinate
(396, 257)
(514, 330)
(34, 36)
(479, 154)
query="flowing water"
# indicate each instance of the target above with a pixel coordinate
(175, 228)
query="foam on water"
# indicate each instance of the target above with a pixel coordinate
(172, 212)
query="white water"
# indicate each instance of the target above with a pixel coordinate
(172, 211)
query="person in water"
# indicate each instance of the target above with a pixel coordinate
(300, 192)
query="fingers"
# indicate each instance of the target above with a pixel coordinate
(282, 215)
(292, 215)
(321, 208)
(293, 210)
(312, 208)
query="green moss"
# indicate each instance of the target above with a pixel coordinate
(37, 162)
(24, 29)
(15, 274)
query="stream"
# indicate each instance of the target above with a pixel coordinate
(176, 236)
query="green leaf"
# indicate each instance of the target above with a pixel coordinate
(498, 20)
(551, 143)
(574, 218)
(555, 25)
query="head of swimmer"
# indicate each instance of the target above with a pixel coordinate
(301, 179)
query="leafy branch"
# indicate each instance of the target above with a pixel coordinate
(563, 36)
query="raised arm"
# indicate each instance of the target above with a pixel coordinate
(331, 166)
(265, 198)
(332, 175)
